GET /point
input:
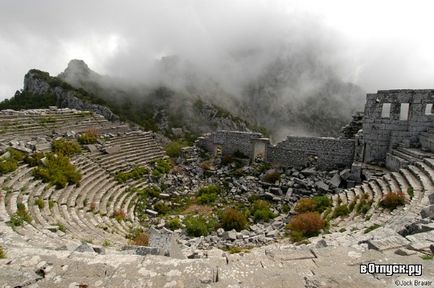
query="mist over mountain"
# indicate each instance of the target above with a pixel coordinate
(293, 95)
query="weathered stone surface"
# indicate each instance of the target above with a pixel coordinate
(427, 212)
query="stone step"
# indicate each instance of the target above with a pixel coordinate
(415, 153)
(429, 172)
(429, 162)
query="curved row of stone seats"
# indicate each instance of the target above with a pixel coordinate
(87, 201)
(418, 176)
(136, 148)
(80, 223)
(8, 206)
(44, 121)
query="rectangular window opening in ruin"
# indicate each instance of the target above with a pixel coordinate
(385, 112)
(429, 109)
(405, 109)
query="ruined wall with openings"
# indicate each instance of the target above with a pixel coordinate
(395, 117)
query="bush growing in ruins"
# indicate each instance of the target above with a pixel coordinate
(57, 171)
(173, 224)
(410, 192)
(138, 236)
(316, 203)
(119, 215)
(304, 205)
(40, 202)
(208, 194)
(261, 211)
(198, 226)
(11, 164)
(272, 176)
(232, 219)
(162, 166)
(173, 149)
(21, 216)
(305, 225)
(392, 200)
(65, 147)
(34, 159)
(2, 253)
(341, 210)
(135, 173)
(7, 166)
(16, 155)
(364, 204)
(161, 208)
(88, 137)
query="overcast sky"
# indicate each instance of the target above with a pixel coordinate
(376, 44)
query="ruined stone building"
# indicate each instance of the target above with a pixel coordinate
(393, 119)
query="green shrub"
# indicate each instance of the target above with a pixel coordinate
(207, 198)
(233, 219)
(51, 203)
(341, 210)
(161, 208)
(61, 227)
(2, 253)
(296, 236)
(40, 202)
(173, 149)
(370, 228)
(16, 155)
(306, 225)
(106, 243)
(88, 137)
(305, 205)
(272, 176)
(392, 200)
(322, 202)
(21, 216)
(7, 166)
(261, 211)
(162, 166)
(135, 173)
(34, 159)
(315, 204)
(208, 194)
(173, 224)
(364, 206)
(57, 171)
(198, 226)
(410, 192)
(65, 147)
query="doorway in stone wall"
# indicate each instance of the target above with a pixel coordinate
(259, 151)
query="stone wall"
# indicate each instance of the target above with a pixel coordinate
(230, 141)
(381, 133)
(324, 153)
